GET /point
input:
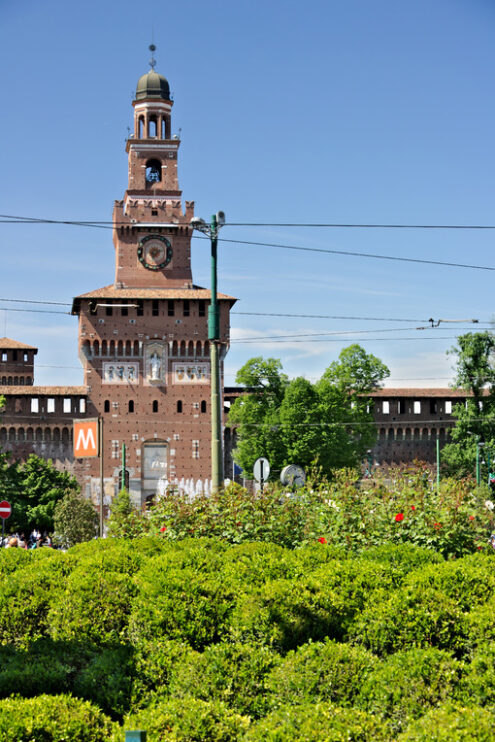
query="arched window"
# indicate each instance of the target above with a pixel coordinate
(48, 435)
(65, 435)
(179, 405)
(391, 434)
(106, 406)
(131, 405)
(408, 434)
(120, 348)
(190, 348)
(128, 349)
(96, 348)
(140, 127)
(152, 127)
(29, 434)
(20, 435)
(56, 435)
(175, 349)
(183, 348)
(203, 406)
(153, 172)
(155, 405)
(104, 348)
(399, 434)
(39, 435)
(416, 434)
(11, 435)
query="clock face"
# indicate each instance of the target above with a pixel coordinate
(154, 252)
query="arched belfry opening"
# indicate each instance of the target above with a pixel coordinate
(153, 171)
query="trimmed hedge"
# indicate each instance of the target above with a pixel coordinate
(452, 724)
(319, 722)
(53, 719)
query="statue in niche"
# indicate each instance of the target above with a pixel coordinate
(120, 372)
(130, 373)
(155, 366)
(110, 370)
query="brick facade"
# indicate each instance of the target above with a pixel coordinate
(143, 340)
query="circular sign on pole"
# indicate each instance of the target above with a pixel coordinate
(5, 509)
(261, 469)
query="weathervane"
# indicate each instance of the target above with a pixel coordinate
(152, 49)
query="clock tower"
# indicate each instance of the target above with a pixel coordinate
(143, 340)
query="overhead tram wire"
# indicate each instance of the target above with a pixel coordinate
(5, 219)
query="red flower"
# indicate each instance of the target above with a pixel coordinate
(437, 525)
(322, 540)
(399, 517)
(471, 517)
(163, 528)
(479, 548)
(413, 507)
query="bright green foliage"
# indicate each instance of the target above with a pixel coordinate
(475, 373)
(39, 486)
(452, 724)
(299, 422)
(124, 517)
(320, 671)
(154, 662)
(75, 520)
(53, 719)
(320, 722)
(187, 719)
(412, 616)
(232, 673)
(408, 683)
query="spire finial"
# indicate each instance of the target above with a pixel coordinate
(152, 49)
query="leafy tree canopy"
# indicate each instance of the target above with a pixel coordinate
(475, 374)
(295, 421)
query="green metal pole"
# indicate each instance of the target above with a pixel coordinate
(214, 337)
(123, 468)
(477, 462)
(438, 463)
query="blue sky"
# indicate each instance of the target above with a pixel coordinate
(364, 111)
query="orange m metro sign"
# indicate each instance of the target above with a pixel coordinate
(86, 439)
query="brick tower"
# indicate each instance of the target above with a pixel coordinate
(143, 340)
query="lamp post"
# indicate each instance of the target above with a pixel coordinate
(211, 230)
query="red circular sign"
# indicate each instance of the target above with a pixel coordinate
(5, 509)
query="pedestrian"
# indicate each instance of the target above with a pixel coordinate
(12, 543)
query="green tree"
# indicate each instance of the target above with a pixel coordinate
(125, 518)
(38, 487)
(475, 420)
(330, 422)
(75, 520)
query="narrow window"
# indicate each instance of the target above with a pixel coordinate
(131, 405)
(385, 407)
(154, 212)
(170, 308)
(67, 405)
(50, 404)
(203, 406)
(155, 306)
(124, 310)
(179, 406)
(202, 308)
(433, 407)
(25, 357)
(187, 310)
(35, 405)
(14, 355)
(155, 405)
(115, 449)
(4, 356)
(417, 407)
(106, 406)
(448, 407)
(195, 449)
(140, 308)
(108, 310)
(82, 405)
(401, 406)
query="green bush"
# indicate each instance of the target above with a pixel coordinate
(187, 719)
(13, 559)
(94, 606)
(452, 724)
(255, 563)
(478, 686)
(53, 719)
(106, 680)
(183, 604)
(232, 673)
(25, 599)
(154, 662)
(408, 683)
(410, 617)
(320, 722)
(402, 557)
(286, 613)
(469, 581)
(325, 671)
